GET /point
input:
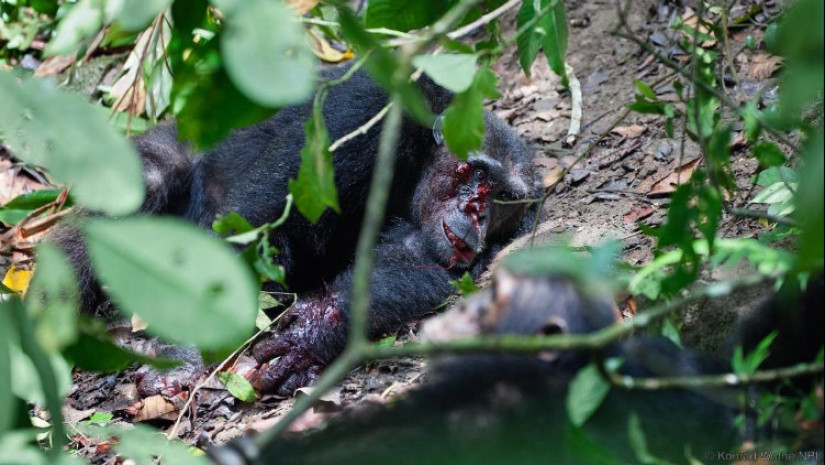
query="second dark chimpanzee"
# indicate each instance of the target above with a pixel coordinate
(499, 408)
(442, 219)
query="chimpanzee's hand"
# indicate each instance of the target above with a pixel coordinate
(311, 335)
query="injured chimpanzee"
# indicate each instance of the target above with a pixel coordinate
(492, 409)
(442, 219)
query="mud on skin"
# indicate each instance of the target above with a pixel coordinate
(441, 218)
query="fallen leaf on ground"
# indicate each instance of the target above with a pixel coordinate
(629, 132)
(668, 184)
(638, 212)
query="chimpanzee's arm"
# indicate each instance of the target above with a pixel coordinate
(406, 285)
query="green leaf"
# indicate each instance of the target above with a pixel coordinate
(208, 106)
(8, 419)
(238, 386)
(465, 285)
(768, 154)
(529, 43)
(81, 22)
(809, 203)
(464, 118)
(403, 16)
(314, 189)
(383, 67)
(135, 15)
(95, 351)
(52, 299)
(555, 39)
(99, 419)
(17, 208)
(638, 441)
(387, 341)
(145, 445)
(37, 376)
(774, 175)
(645, 89)
(775, 193)
(265, 54)
(550, 33)
(231, 223)
(452, 71)
(189, 287)
(587, 392)
(45, 126)
(642, 105)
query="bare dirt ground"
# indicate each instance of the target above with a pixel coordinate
(625, 179)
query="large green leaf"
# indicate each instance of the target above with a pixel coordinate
(45, 126)
(549, 32)
(135, 15)
(383, 67)
(810, 211)
(6, 400)
(189, 287)
(52, 299)
(451, 71)
(464, 118)
(403, 16)
(84, 19)
(314, 189)
(264, 52)
(587, 392)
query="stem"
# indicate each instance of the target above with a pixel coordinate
(370, 229)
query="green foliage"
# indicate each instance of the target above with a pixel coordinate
(464, 118)
(265, 53)
(747, 365)
(594, 270)
(638, 441)
(403, 16)
(46, 127)
(586, 393)
(465, 285)
(238, 386)
(383, 66)
(314, 189)
(452, 71)
(94, 350)
(180, 281)
(17, 208)
(809, 203)
(52, 300)
(548, 31)
(144, 444)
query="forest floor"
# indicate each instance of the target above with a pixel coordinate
(624, 179)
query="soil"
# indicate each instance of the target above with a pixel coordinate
(622, 181)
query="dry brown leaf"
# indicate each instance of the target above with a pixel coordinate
(629, 132)
(668, 184)
(763, 66)
(638, 212)
(323, 50)
(552, 177)
(158, 407)
(54, 65)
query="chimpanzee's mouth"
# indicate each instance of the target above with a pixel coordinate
(463, 252)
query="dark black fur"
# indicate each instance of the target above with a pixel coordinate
(249, 171)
